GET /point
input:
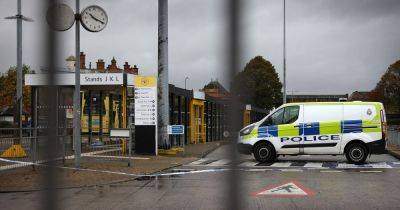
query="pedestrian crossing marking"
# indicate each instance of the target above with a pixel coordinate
(281, 164)
(313, 165)
(205, 162)
(199, 161)
(248, 164)
(219, 162)
(380, 165)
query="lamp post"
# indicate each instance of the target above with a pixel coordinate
(163, 92)
(186, 78)
(18, 104)
(77, 90)
(284, 51)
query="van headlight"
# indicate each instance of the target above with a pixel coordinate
(247, 130)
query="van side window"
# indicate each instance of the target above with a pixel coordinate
(291, 114)
(285, 115)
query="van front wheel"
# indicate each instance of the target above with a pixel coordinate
(356, 153)
(264, 152)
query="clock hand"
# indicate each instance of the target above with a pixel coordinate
(96, 18)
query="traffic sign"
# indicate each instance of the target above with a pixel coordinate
(176, 129)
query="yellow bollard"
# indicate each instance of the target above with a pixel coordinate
(123, 146)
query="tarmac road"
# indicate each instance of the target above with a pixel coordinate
(204, 187)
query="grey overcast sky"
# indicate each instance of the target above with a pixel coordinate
(333, 46)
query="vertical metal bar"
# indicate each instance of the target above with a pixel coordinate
(89, 113)
(163, 114)
(120, 111)
(101, 115)
(185, 140)
(110, 112)
(284, 51)
(77, 90)
(124, 107)
(172, 117)
(233, 117)
(50, 141)
(35, 121)
(19, 73)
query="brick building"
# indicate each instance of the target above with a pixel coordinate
(101, 65)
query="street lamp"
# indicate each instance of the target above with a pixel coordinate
(284, 51)
(18, 104)
(186, 78)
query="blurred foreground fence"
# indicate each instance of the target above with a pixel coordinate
(15, 153)
(394, 135)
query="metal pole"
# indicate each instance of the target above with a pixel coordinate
(186, 78)
(183, 140)
(19, 72)
(163, 114)
(284, 51)
(233, 57)
(77, 94)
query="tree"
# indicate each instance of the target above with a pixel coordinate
(8, 88)
(258, 84)
(388, 89)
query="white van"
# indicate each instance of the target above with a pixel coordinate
(355, 129)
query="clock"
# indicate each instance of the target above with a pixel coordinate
(94, 18)
(60, 17)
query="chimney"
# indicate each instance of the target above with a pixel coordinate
(100, 65)
(135, 70)
(82, 60)
(113, 67)
(126, 67)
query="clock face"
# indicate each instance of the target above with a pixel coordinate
(94, 18)
(60, 17)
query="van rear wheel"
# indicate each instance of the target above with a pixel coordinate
(356, 153)
(264, 152)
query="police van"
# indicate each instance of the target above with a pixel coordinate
(355, 129)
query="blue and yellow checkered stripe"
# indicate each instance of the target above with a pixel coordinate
(317, 128)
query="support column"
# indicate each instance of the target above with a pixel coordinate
(77, 101)
(89, 112)
(186, 120)
(163, 114)
(101, 111)
(123, 111)
(18, 105)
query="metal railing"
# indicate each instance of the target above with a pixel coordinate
(31, 149)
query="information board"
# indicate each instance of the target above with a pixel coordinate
(145, 100)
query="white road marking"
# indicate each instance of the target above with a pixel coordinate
(18, 164)
(291, 170)
(347, 165)
(313, 165)
(282, 164)
(380, 165)
(371, 171)
(183, 169)
(117, 157)
(221, 162)
(330, 171)
(257, 170)
(199, 161)
(248, 164)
